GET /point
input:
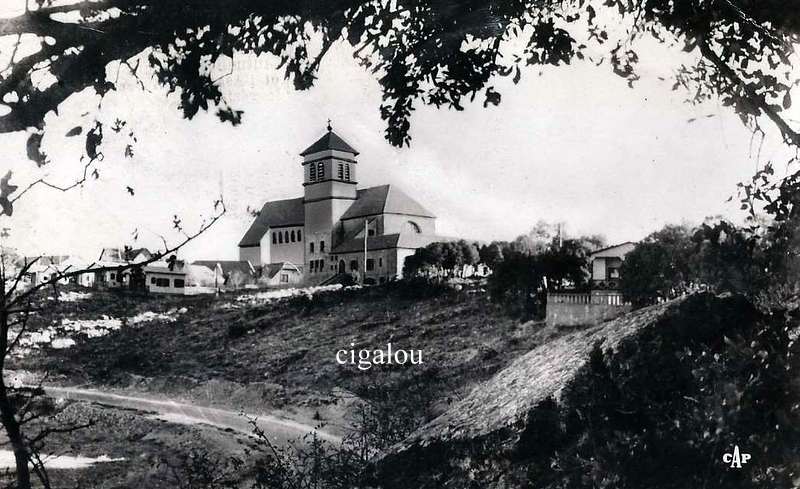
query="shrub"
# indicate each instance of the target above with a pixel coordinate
(666, 407)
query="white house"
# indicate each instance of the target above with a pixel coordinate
(117, 257)
(230, 274)
(282, 274)
(47, 267)
(179, 278)
(606, 264)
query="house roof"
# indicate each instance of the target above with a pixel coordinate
(46, 260)
(137, 251)
(272, 269)
(407, 240)
(277, 213)
(384, 199)
(227, 266)
(329, 141)
(617, 250)
(111, 254)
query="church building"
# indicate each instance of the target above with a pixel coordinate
(336, 227)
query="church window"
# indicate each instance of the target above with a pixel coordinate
(311, 247)
(347, 172)
(414, 227)
(299, 236)
(312, 172)
(321, 265)
(322, 246)
(320, 170)
(341, 171)
(380, 262)
(354, 265)
(274, 238)
(286, 236)
(292, 235)
(280, 237)
(370, 264)
(370, 232)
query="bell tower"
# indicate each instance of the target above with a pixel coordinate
(329, 184)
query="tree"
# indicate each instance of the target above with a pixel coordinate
(491, 254)
(566, 266)
(541, 261)
(717, 256)
(658, 267)
(516, 281)
(17, 405)
(435, 53)
(728, 259)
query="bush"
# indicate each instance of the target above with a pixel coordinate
(665, 408)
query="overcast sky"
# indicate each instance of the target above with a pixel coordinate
(572, 144)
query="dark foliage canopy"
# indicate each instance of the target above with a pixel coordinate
(440, 52)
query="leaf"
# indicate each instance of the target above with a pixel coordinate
(787, 100)
(229, 115)
(130, 190)
(35, 153)
(75, 131)
(93, 139)
(6, 189)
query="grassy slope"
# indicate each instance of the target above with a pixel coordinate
(282, 354)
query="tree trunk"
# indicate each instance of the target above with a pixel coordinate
(8, 412)
(12, 426)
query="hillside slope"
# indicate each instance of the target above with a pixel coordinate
(652, 399)
(282, 354)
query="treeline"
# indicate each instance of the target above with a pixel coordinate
(444, 260)
(716, 255)
(522, 270)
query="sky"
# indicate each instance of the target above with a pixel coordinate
(572, 144)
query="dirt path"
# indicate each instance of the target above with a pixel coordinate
(279, 430)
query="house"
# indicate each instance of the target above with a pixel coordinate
(178, 278)
(282, 274)
(606, 264)
(47, 267)
(119, 257)
(604, 301)
(230, 274)
(335, 227)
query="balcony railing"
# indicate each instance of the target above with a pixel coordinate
(602, 298)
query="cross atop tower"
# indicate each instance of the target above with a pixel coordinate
(329, 126)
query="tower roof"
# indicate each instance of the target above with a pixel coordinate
(329, 141)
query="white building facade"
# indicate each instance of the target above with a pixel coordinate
(335, 227)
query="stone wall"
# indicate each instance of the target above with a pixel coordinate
(572, 309)
(580, 314)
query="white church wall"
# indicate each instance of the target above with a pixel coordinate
(283, 250)
(397, 223)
